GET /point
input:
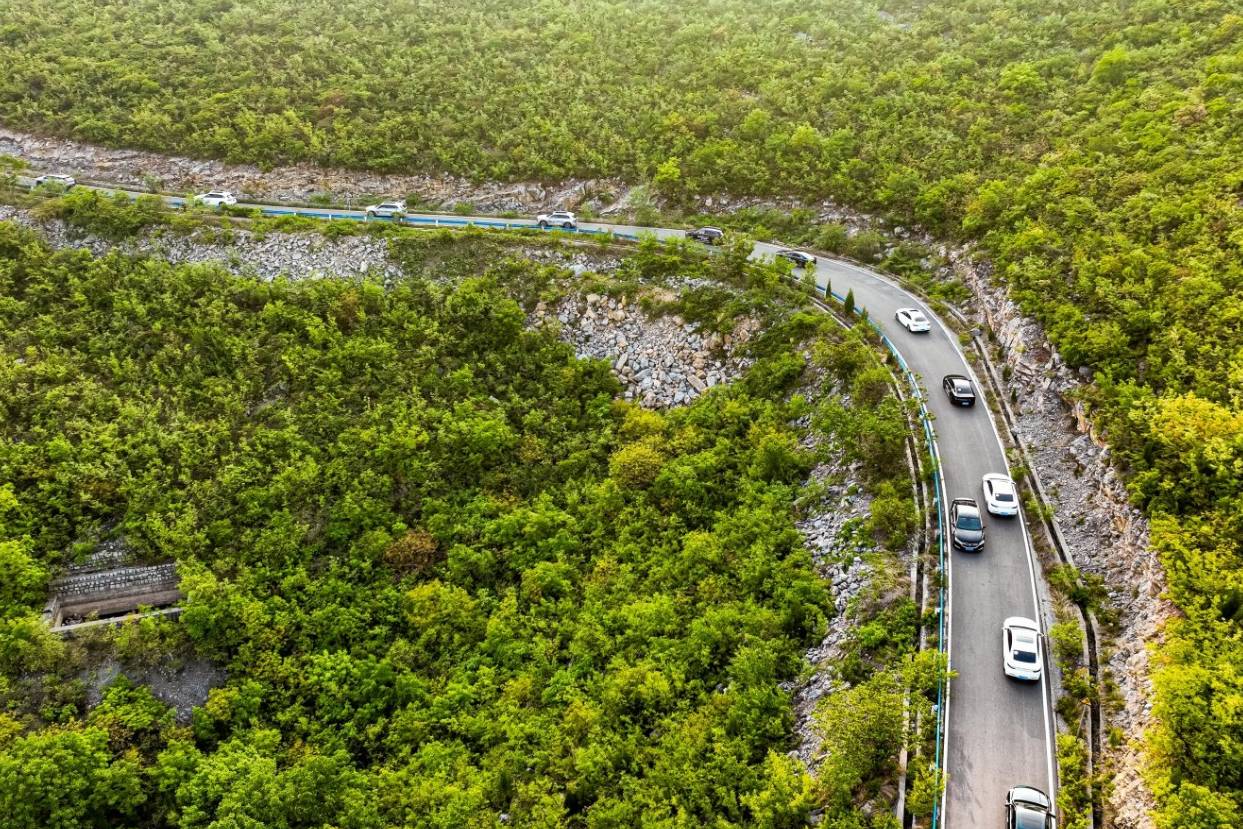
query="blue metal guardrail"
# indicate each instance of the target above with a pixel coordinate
(440, 221)
(415, 219)
(930, 440)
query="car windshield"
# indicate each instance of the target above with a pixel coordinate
(1024, 656)
(1004, 496)
(968, 522)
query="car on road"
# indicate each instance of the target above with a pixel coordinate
(1001, 496)
(216, 198)
(707, 235)
(559, 218)
(1020, 648)
(1028, 808)
(386, 209)
(913, 320)
(959, 389)
(797, 257)
(54, 180)
(966, 525)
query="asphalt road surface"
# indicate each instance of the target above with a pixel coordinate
(998, 731)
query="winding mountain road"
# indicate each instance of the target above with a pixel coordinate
(999, 733)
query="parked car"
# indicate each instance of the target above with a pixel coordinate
(959, 389)
(55, 180)
(798, 257)
(1020, 648)
(707, 235)
(966, 525)
(216, 198)
(913, 320)
(1001, 496)
(559, 218)
(386, 209)
(1028, 808)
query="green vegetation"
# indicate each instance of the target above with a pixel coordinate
(451, 578)
(1091, 149)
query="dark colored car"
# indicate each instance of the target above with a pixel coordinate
(959, 389)
(1028, 808)
(707, 235)
(966, 525)
(800, 259)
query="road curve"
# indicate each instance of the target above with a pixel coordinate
(998, 732)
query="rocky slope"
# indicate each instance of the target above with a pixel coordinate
(663, 362)
(660, 361)
(300, 183)
(1104, 534)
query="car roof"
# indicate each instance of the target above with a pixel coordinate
(712, 229)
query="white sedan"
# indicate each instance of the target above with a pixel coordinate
(1020, 645)
(1001, 496)
(913, 320)
(216, 198)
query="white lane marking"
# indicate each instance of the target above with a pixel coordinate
(1047, 700)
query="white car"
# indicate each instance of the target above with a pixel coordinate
(387, 209)
(560, 218)
(1001, 496)
(54, 179)
(216, 198)
(913, 320)
(1020, 646)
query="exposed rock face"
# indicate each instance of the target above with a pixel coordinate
(299, 183)
(292, 255)
(660, 361)
(842, 559)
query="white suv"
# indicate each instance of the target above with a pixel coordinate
(54, 179)
(387, 209)
(216, 198)
(561, 218)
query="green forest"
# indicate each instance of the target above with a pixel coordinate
(1090, 150)
(454, 581)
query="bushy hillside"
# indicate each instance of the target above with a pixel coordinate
(1093, 148)
(453, 581)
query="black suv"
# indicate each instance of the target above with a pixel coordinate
(966, 525)
(959, 389)
(800, 259)
(707, 235)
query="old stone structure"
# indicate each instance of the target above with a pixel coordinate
(106, 586)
